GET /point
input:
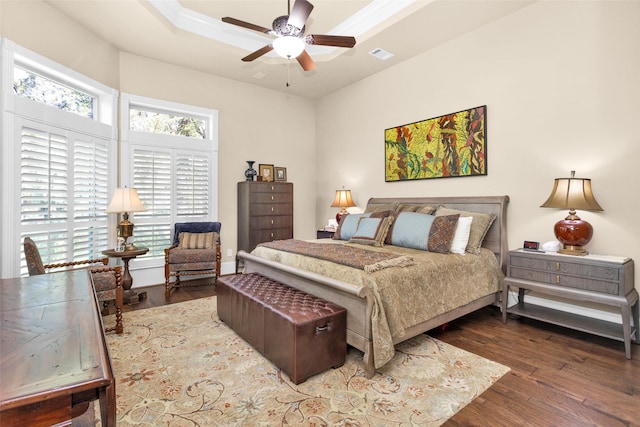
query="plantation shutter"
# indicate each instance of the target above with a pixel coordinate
(174, 187)
(192, 185)
(152, 178)
(63, 193)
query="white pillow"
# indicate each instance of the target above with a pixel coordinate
(461, 236)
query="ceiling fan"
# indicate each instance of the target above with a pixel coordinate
(290, 41)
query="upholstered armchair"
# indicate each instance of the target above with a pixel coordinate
(195, 251)
(106, 281)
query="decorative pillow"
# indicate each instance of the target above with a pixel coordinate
(441, 233)
(196, 240)
(382, 207)
(461, 236)
(411, 230)
(371, 231)
(348, 225)
(479, 226)
(429, 210)
(380, 214)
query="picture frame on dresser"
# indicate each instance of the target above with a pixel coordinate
(280, 174)
(266, 172)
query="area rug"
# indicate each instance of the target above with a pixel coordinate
(179, 365)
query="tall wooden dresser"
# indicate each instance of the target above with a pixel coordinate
(265, 213)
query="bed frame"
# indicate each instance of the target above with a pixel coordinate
(358, 300)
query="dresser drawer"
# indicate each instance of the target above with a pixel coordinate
(271, 222)
(577, 282)
(272, 197)
(259, 236)
(563, 267)
(270, 209)
(270, 187)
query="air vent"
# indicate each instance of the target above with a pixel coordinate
(381, 54)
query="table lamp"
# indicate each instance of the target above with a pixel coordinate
(342, 200)
(125, 200)
(572, 193)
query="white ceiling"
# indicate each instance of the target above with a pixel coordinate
(193, 36)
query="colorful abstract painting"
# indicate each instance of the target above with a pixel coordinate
(452, 145)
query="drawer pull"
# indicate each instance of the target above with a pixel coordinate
(272, 209)
(273, 188)
(272, 235)
(557, 279)
(272, 197)
(557, 266)
(271, 222)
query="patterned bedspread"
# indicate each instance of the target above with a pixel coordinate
(349, 255)
(408, 295)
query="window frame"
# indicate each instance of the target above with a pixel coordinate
(131, 139)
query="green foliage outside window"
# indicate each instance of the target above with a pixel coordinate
(45, 91)
(165, 123)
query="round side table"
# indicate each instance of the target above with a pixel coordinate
(130, 296)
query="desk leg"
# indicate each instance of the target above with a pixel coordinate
(107, 396)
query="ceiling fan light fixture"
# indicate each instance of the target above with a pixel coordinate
(288, 46)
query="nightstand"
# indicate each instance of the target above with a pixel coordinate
(598, 279)
(323, 234)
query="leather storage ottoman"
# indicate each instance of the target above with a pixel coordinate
(301, 334)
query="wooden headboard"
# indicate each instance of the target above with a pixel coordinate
(496, 238)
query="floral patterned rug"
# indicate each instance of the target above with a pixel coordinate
(179, 365)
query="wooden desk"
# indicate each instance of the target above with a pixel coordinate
(53, 355)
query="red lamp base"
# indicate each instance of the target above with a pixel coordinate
(573, 233)
(340, 214)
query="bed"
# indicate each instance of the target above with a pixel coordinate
(395, 303)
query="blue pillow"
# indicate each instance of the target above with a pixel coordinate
(411, 230)
(371, 231)
(348, 226)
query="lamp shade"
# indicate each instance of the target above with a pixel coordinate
(288, 46)
(343, 199)
(125, 200)
(572, 193)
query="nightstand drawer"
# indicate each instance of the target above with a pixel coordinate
(577, 282)
(570, 268)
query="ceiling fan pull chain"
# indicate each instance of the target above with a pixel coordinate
(288, 73)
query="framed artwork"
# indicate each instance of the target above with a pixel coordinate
(453, 145)
(281, 174)
(266, 172)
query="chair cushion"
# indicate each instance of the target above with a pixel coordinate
(191, 259)
(104, 282)
(197, 240)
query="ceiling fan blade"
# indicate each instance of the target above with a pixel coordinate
(240, 23)
(305, 61)
(258, 53)
(299, 13)
(326, 40)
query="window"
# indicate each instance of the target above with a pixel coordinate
(58, 160)
(49, 92)
(170, 157)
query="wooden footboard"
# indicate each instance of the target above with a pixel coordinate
(358, 300)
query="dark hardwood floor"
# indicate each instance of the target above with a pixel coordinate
(558, 377)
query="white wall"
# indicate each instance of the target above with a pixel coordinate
(560, 81)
